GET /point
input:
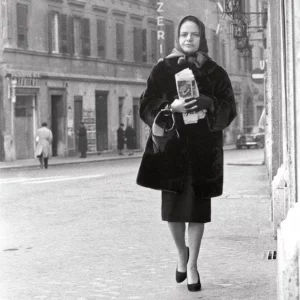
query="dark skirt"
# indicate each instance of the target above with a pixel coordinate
(185, 206)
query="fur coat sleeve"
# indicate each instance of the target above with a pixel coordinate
(224, 102)
(153, 99)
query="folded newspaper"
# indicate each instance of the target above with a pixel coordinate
(187, 88)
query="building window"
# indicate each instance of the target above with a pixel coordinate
(86, 40)
(120, 41)
(121, 104)
(101, 38)
(64, 36)
(80, 36)
(22, 29)
(68, 34)
(153, 53)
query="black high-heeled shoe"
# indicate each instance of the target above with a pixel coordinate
(195, 287)
(181, 276)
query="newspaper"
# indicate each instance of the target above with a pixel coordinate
(187, 88)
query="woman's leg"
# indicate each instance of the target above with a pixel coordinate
(195, 233)
(178, 233)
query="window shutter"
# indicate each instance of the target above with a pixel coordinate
(144, 45)
(22, 15)
(86, 43)
(101, 38)
(71, 35)
(63, 24)
(120, 41)
(153, 46)
(137, 44)
(50, 16)
(169, 38)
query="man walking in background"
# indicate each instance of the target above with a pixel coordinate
(43, 139)
(130, 139)
(120, 138)
(82, 140)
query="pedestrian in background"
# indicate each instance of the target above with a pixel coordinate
(121, 138)
(43, 139)
(192, 172)
(82, 140)
(130, 136)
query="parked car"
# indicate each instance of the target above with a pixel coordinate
(253, 136)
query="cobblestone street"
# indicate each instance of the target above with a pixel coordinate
(89, 232)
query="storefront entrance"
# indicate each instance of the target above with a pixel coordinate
(101, 120)
(24, 127)
(57, 124)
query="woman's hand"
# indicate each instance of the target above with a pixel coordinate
(197, 104)
(178, 105)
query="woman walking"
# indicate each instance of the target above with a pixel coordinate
(198, 176)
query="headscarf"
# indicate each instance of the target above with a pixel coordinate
(200, 56)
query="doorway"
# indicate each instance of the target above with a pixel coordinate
(137, 122)
(101, 120)
(24, 126)
(57, 124)
(77, 117)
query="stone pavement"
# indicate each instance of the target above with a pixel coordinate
(135, 257)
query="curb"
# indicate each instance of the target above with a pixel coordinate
(53, 163)
(245, 164)
(138, 154)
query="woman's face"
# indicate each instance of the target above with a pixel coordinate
(189, 37)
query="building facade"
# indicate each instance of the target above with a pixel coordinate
(283, 138)
(63, 61)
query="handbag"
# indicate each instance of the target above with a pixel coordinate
(164, 158)
(163, 130)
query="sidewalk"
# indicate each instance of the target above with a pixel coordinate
(54, 161)
(59, 160)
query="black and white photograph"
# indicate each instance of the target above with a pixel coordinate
(121, 180)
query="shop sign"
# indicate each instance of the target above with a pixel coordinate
(26, 79)
(160, 26)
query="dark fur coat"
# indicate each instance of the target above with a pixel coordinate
(200, 146)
